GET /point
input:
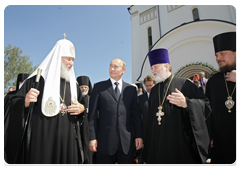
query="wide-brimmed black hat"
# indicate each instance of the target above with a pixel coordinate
(225, 41)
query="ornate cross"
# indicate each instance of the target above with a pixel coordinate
(64, 36)
(159, 114)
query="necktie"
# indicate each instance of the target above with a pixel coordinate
(117, 91)
(204, 83)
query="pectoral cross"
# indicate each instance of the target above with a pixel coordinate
(159, 114)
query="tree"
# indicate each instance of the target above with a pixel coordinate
(14, 64)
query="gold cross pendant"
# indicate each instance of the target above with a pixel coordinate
(159, 114)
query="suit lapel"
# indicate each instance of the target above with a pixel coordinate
(110, 90)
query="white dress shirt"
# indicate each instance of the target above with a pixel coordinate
(119, 84)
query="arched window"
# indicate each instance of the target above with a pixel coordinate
(149, 38)
(195, 14)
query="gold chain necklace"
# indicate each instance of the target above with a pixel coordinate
(229, 102)
(63, 107)
(160, 112)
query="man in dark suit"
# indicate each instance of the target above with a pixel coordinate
(119, 121)
(149, 82)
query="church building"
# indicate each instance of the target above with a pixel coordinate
(186, 31)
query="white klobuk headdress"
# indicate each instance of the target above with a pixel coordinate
(51, 68)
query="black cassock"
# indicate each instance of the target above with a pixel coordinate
(53, 139)
(182, 137)
(13, 124)
(223, 123)
(85, 100)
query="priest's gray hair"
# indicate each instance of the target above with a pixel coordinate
(169, 68)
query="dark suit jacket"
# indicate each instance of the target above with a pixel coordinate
(143, 105)
(117, 119)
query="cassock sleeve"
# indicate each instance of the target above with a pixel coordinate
(198, 109)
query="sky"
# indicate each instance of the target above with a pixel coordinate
(99, 33)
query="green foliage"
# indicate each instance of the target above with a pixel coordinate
(14, 64)
(197, 63)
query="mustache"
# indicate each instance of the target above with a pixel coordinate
(221, 61)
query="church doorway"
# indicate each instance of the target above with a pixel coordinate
(189, 71)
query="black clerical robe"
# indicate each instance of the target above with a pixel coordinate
(85, 100)
(182, 136)
(223, 123)
(7, 107)
(53, 139)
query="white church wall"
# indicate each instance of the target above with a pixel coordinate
(170, 19)
(191, 43)
(142, 18)
(183, 45)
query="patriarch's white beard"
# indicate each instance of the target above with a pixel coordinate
(65, 73)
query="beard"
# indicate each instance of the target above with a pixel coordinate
(84, 93)
(139, 93)
(65, 73)
(228, 68)
(161, 76)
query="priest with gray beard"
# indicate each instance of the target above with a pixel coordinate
(55, 136)
(176, 132)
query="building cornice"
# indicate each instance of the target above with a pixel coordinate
(148, 15)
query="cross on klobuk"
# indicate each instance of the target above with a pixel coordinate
(159, 114)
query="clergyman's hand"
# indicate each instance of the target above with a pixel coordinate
(177, 99)
(231, 76)
(76, 108)
(93, 145)
(31, 96)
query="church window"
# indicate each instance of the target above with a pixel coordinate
(195, 14)
(149, 38)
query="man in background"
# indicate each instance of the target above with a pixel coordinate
(203, 81)
(198, 84)
(140, 90)
(10, 147)
(12, 88)
(149, 82)
(85, 86)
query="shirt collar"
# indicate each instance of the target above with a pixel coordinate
(113, 81)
